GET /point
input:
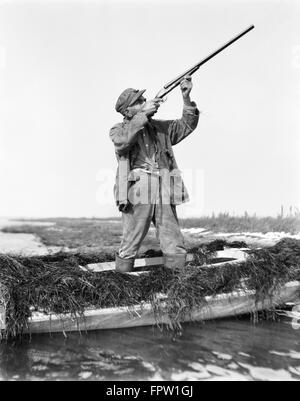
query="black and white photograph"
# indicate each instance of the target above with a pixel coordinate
(149, 193)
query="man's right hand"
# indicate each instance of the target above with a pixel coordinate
(151, 107)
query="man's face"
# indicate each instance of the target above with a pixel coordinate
(136, 106)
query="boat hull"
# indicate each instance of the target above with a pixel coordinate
(219, 306)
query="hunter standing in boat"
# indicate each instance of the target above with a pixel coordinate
(148, 184)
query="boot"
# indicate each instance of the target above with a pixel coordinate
(175, 260)
(124, 265)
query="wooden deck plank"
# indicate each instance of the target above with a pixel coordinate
(2, 307)
(106, 266)
(2, 318)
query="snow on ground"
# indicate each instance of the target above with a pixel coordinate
(276, 236)
(270, 235)
(253, 239)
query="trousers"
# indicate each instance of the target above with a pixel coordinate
(136, 223)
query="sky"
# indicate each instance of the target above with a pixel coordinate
(63, 65)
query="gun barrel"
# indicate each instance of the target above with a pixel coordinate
(191, 71)
(198, 65)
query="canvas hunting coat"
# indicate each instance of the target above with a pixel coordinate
(144, 146)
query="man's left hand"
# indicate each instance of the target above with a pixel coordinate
(186, 86)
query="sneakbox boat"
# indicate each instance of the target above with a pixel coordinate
(219, 306)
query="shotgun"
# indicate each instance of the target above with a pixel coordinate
(175, 82)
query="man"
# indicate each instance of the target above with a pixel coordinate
(148, 185)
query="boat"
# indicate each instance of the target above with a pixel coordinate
(236, 303)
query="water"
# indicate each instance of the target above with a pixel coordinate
(220, 350)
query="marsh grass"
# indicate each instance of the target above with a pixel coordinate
(104, 235)
(225, 223)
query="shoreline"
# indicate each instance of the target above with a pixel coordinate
(22, 244)
(72, 237)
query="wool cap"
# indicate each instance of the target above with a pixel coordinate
(127, 98)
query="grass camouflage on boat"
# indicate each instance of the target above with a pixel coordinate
(56, 284)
